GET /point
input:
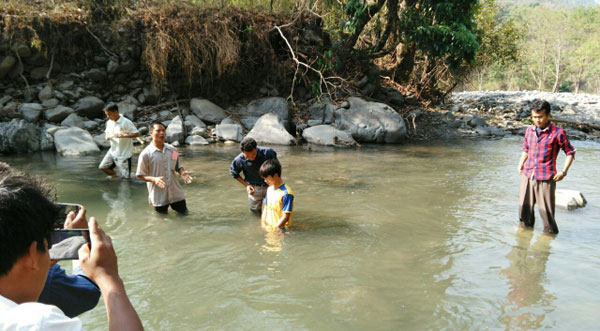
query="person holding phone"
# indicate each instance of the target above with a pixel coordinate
(27, 217)
(73, 293)
(120, 131)
(158, 165)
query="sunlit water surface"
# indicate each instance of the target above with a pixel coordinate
(384, 237)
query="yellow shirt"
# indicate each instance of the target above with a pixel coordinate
(278, 200)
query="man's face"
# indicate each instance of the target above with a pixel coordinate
(112, 115)
(158, 133)
(540, 118)
(250, 155)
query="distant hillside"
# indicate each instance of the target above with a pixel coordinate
(566, 3)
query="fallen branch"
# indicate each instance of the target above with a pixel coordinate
(162, 105)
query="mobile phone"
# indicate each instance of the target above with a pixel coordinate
(65, 243)
(65, 209)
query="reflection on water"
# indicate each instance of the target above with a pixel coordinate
(527, 300)
(407, 237)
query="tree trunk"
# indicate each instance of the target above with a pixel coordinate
(557, 70)
(578, 79)
(543, 69)
(480, 79)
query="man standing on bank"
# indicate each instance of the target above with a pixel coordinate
(120, 131)
(158, 165)
(249, 162)
(538, 167)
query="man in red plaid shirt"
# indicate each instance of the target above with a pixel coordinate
(538, 167)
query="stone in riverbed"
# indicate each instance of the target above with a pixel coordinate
(19, 136)
(569, 199)
(371, 122)
(207, 111)
(327, 135)
(231, 132)
(74, 141)
(268, 129)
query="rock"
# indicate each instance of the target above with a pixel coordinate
(227, 120)
(112, 66)
(569, 199)
(74, 141)
(90, 125)
(151, 96)
(47, 137)
(257, 108)
(45, 93)
(314, 122)
(100, 140)
(194, 125)
(90, 107)
(23, 50)
(327, 135)
(58, 113)
(127, 109)
(96, 75)
(66, 85)
(269, 130)
(396, 98)
(476, 121)
(196, 140)
(39, 73)
(232, 132)
(483, 131)
(175, 130)
(6, 65)
(31, 111)
(50, 103)
(371, 122)
(207, 111)
(73, 120)
(322, 111)
(4, 100)
(19, 136)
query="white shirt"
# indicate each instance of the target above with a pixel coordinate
(156, 163)
(34, 316)
(120, 148)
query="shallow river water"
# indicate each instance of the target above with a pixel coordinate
(406, 237)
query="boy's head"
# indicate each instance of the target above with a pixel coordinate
(112, 112)
(27, 216)
(540, 113)
(248, 147)
(270, 170)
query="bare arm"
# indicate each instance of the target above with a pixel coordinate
(522, 161)
(283, 220)
(560, 175)
(158, 181)
(127, 135)
(100, 264)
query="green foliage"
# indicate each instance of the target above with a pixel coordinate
(566, 86)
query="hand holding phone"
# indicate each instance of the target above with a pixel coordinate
(65, 209)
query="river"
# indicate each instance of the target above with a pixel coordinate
(406, 237)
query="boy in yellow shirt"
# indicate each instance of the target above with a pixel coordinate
(279, 201)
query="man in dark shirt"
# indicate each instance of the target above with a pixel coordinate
(537, 166)
(249, 162)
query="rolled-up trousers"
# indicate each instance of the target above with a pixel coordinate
(541, 192)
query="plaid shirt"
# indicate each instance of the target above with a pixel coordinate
(543, 150)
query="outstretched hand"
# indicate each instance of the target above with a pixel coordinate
(186, 177)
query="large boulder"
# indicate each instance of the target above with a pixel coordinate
(90, 107)
(74, 141)
(322, 111)
(19, 136)
(257, 108)
(47, 137)
(6, 65)
(231, 132)
(73, 121)
(196, 140)
(371, 122)
(194, 125)
(31, 111)
(101, 141)
(207, 111)
(127, 109)
(269, 130)
(46, 93)
(327, 135)
(569, 199)
(175, 130)
(58, 114)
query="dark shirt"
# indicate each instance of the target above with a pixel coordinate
(73, 294)
(250, 168)
(542, 149)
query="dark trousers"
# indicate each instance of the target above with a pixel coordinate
(179, 206)
(541, 192)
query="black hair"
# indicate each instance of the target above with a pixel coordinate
(112, 107)
(27, 214)
(540, 105)
(156, 123)
(269, 168)
(248, 144)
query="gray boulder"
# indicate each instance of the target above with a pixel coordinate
(322, 111)
(47, 137)
(327, 135)
(58, 114)
(101, 141)
(207, 111)
(6, 65)
(74, 141)
(31, 111)
(39, 73)
(371, 122)
(50, 103)
(175, 130)
(19, 136)
(268, 129)
(46, 93)
(127, 109)
(196, 140)
(231, 132)
(257, 108)
(73, 120)
(90, 107)
(569, 199)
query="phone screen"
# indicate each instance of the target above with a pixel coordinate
(65, 209)
(65, 243)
